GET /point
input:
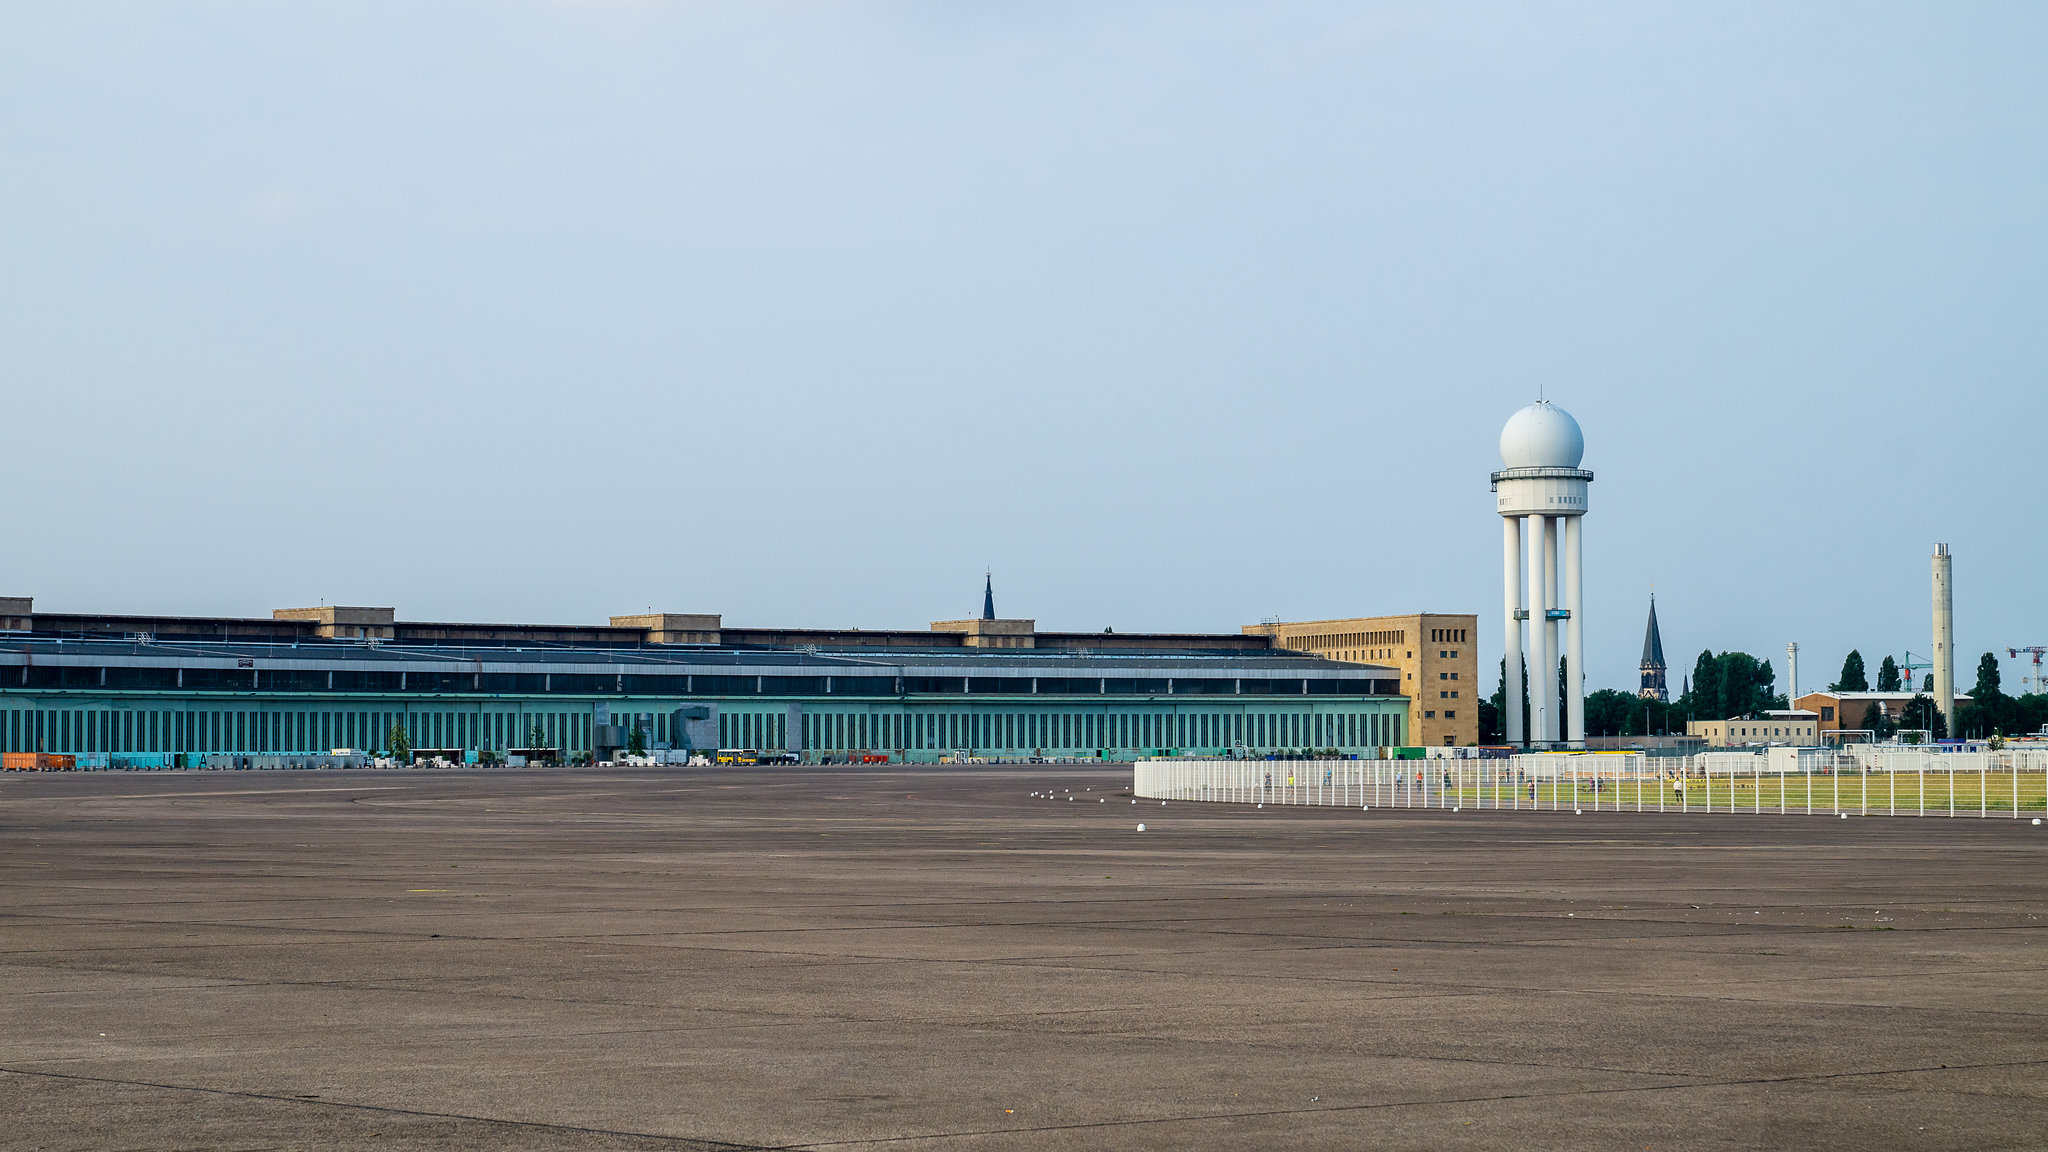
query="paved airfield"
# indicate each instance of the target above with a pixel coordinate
(913, 959)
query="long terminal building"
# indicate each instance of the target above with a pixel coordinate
(312, 680)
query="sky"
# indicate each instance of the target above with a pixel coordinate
(1173, 316)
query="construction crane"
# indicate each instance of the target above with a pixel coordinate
(2034, 683)
(1910, 667)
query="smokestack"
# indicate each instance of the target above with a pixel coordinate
(1944, 637)
(1792, 681)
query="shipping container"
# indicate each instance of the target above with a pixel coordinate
(37, 762)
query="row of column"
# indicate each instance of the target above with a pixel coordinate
(1538, 553)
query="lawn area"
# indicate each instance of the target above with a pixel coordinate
(1932, 793)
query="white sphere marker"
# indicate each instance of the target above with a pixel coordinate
(1141, 827)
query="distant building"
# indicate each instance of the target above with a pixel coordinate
(1653, 662)
(308, 680)
(1436, 655)
(1667, 744)
(1795, 726)
(1840, 710)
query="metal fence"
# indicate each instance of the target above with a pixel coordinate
(1874, 782)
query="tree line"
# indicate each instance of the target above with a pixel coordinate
(1722, 685)
(1727, 685)
(1988, 712)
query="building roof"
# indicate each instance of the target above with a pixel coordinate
(678, 659)
(1885, 696)
(657, 630)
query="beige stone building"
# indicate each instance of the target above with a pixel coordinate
(1436, 654)
(1798, 727)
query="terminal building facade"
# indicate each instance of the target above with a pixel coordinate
(1433, 655)
(314, 680)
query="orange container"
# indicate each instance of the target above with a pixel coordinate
(37, 762)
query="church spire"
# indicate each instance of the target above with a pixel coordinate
(1653, 659)
(988, 597)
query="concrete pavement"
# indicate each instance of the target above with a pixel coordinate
(934, 958)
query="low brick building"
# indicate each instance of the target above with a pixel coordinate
(1839, 710)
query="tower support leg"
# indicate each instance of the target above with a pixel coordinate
(1542, 673)
(1575, 643)
(1511, 628)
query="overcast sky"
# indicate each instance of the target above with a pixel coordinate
(1176, 316)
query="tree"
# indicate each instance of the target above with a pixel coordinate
(536, 736)
(1988, 678)
(399, 742)
(636, 742)
(1489, 720)
(1852, 678)
(1888, 675)
(1499, 696)
(1990, 711)
(1745, 685)
(1613, 713)
(1724, 686)
(1920, 712)
(1875, 720)
(1927, 684)
(1704, 695)
(2029, 713)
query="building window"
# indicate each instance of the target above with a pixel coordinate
(1450, 715)
(1429, 715)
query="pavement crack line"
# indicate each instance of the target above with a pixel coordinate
(1391, 1104)
(691, 1142)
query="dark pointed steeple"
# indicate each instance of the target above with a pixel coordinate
(988, 598)
(1653, 660)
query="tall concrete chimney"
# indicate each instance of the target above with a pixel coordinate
(1792, 680)
(1944, 637)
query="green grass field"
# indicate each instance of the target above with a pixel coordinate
(1902, 793)
(1963, 794)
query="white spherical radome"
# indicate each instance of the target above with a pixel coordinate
(1542, 436)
